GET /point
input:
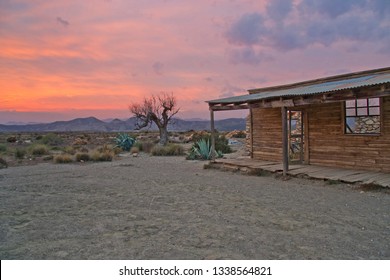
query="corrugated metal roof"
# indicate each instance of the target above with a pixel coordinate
(309, 89)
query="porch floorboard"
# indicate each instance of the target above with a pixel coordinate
(312, 171)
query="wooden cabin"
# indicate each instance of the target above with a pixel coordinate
(338, 121)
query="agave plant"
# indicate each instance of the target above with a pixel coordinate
(124, 141)
(202, 150)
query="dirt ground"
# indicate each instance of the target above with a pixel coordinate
(170, 208)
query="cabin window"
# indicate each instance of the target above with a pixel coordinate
(362, 116)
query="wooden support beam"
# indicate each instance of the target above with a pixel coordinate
(212, 135)
(229, 107)
(284, 141)
(282, 103)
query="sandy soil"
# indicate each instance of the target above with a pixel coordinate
(170, 208)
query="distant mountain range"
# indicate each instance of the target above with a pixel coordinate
(115, 125)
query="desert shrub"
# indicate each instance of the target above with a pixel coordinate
(3, 148)
(117, 150)
(134, 150)
(3, 163)
(145, 147)
(202, 150)
(39, 150)
(124, 141)
(105, 148)
(63, 158)
(221, 143)
(83, 157)
(12, 139)
(106, 156)
(20, 153)
(102, 156)
(48, 157)
(168, 150)
(69, 150)
(51, 139)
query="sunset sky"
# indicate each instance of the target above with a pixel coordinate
(69, 58)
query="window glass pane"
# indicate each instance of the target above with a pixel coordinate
(374, 111)
(362, 103)
(350, 125)
(362, 125)
(373, 101)
(350, 103)
(362, 112)
(351, 112)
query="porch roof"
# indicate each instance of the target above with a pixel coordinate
(313, 87)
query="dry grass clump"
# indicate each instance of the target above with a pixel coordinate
(39, 150)
(83, 157)
(69, 150)
(102, 156)
(168, 150)
(145, 147)
(20, 153)
(134, 150)
(63, 158)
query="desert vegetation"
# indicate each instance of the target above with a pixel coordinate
(72, 147)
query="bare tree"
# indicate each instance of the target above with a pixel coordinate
(156, 109)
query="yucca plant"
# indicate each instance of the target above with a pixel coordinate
(124, 141)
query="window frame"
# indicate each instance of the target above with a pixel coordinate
(356, 107)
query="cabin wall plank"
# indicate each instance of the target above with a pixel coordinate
(330, 146)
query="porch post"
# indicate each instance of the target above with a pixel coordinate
(212, 135)
(284, 140)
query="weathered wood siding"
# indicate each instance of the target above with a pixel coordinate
(267, 134)
(329, 145)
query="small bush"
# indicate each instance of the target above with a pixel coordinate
(39, 150)
(20, 153)
(3, 163)
(102, 156)
(64, 158)
(105, 148)
(83, 157)
(3, 148)
(168, 150)
(69, 150)
(51, 139)
(134, 150)
(106, 156)
(49, 157)
(12, 139)
(145, 147)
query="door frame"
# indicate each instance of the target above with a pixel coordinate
(303, 136)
